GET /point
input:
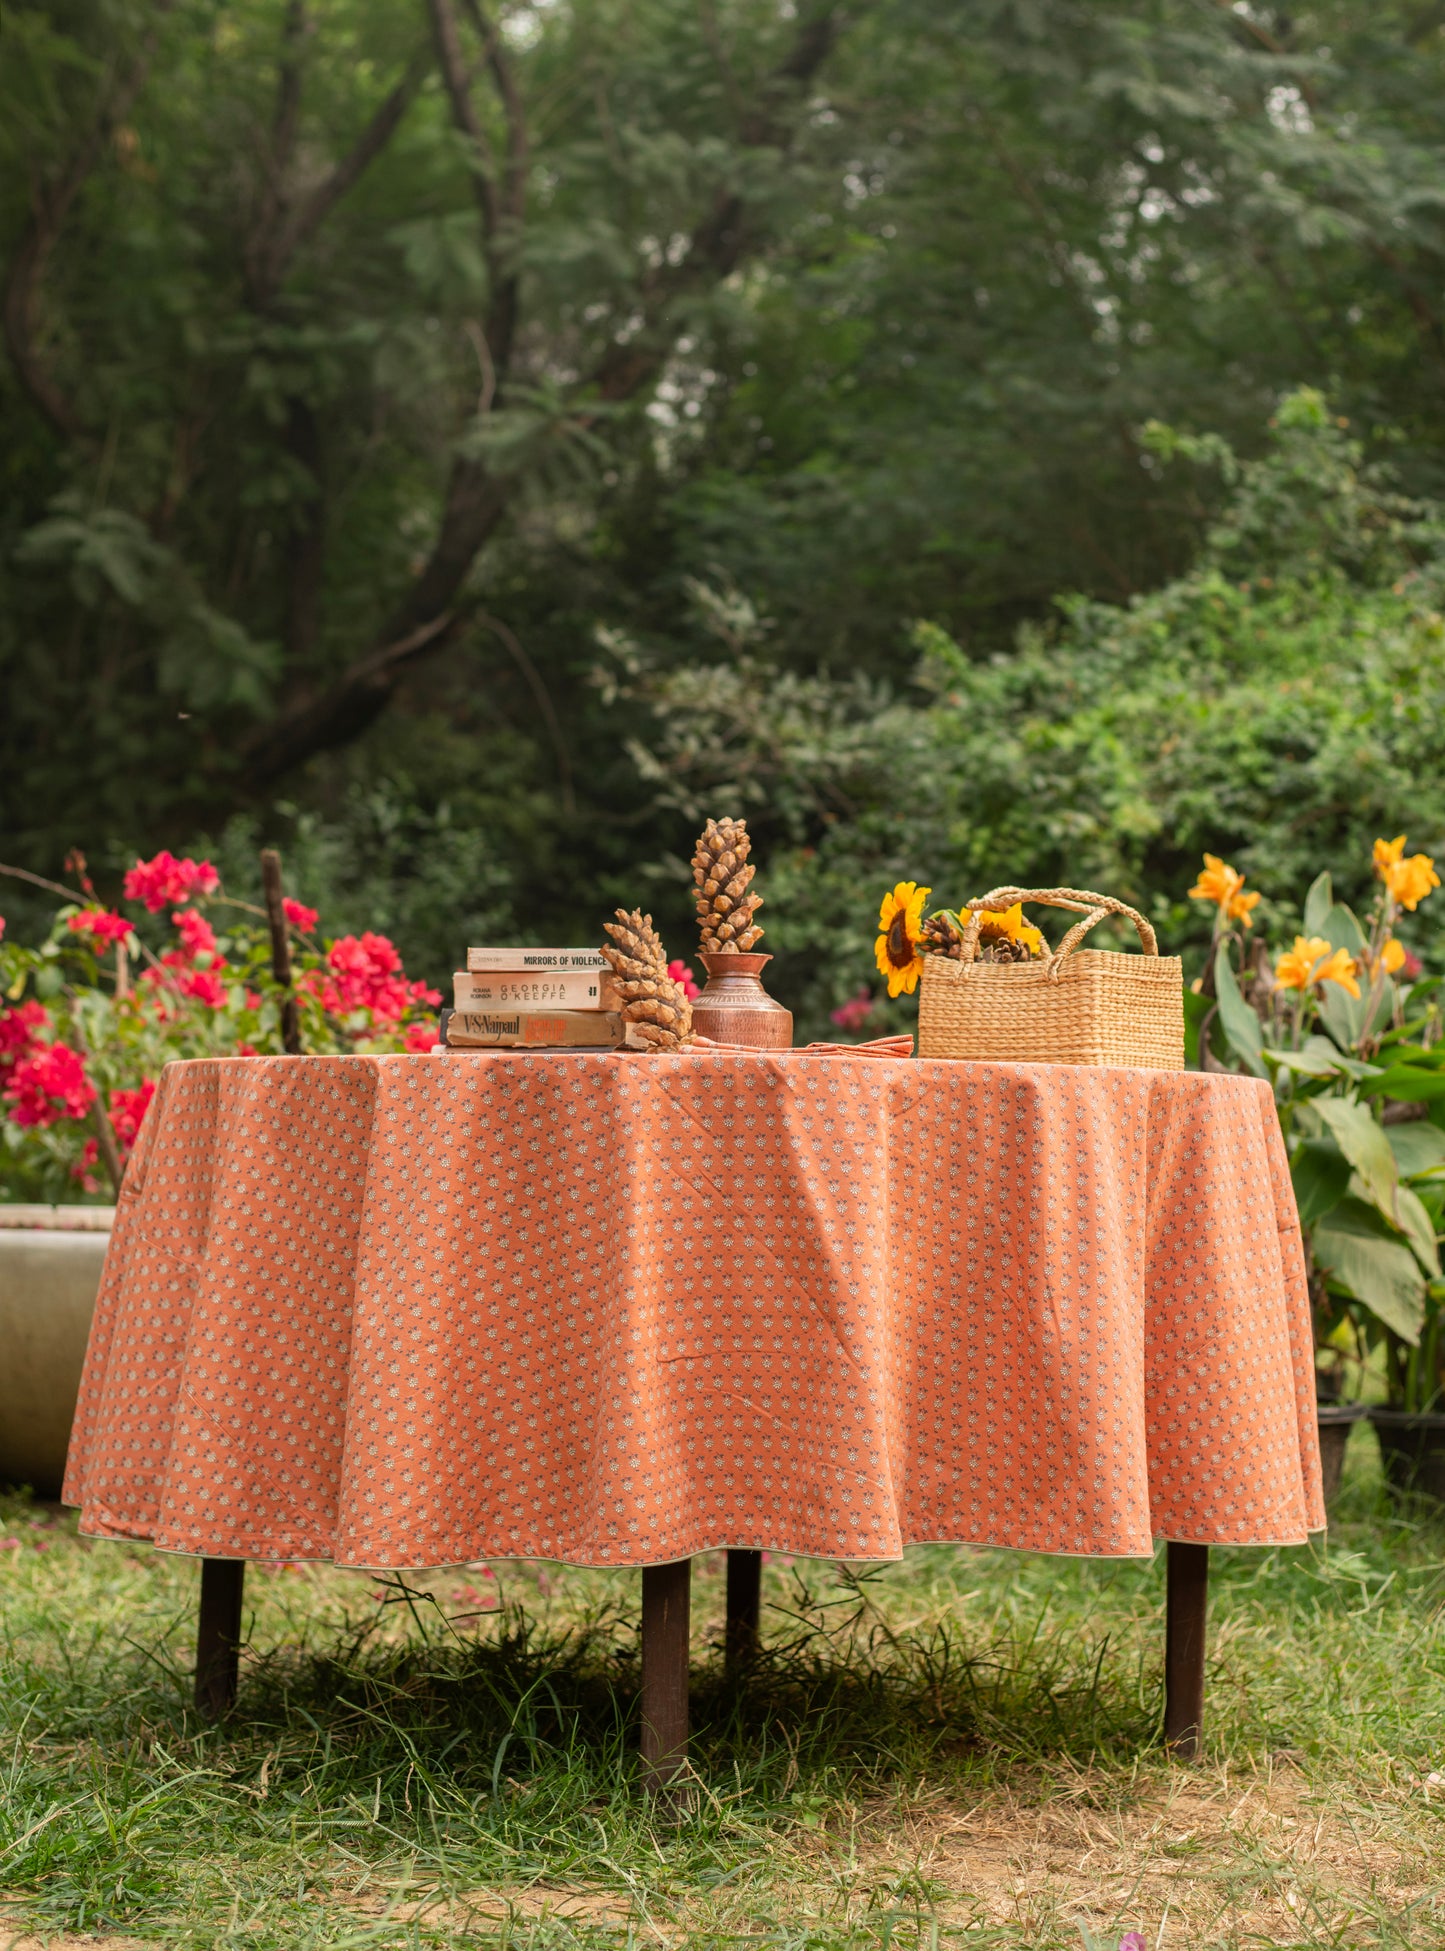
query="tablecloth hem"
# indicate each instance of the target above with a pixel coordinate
(278, 1550)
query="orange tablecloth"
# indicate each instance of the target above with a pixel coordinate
(405, 1311)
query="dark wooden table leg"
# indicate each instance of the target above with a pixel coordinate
(666, 1616)
(744, 1608)
(1188, 1596)
(218, 1635)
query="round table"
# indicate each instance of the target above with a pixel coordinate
(409, 1311)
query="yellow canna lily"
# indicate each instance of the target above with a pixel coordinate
(1217, 882)
(900, 917)
(1312, 960)
(1408, 881)
(1340, 968)
(1220, 883)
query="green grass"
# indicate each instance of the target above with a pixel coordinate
(963, 1749)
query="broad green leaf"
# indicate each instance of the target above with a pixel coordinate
(1196, 1008)
(1342, 930)
(1321, 1175)
(1307, 1063)
(1418, 1147)
(1239, 1022)
(1326, 1047)
(1415, 1223)
(1365, 1145)
(1406, 1083)
(1352, 1248)
(1343, 1014)
(1419, 1229)
(1318, 902)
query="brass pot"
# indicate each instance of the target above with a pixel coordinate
(735, 1007)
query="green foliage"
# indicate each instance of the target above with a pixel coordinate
(862, 315)
(1285, 712)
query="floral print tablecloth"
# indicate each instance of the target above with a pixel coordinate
(418, 1310)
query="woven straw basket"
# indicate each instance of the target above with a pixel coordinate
(1074, 1007)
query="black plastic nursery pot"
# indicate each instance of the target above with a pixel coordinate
(1412, 1449)
(1336, 1420)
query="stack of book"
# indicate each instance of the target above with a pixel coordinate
(534, 998)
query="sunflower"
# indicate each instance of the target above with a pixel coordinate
(900, 917)
(1010, 926)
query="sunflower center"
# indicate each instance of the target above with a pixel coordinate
(900, 942)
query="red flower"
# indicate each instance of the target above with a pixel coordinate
(127, 1111)
(299, 917)
(681, 973)
(197, 935)
(20, 1034)
(421, 1036)
(368, 975)
(82, 1171)
(48, 1086)
(204, 986)
(165, 879)
(100, 923)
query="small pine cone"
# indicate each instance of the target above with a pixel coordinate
(721, 874)
(1003, 950)
(652, 1002)
(941, 937)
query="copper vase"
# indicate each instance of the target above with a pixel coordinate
(735, 1007)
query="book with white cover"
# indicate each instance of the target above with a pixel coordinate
(538, 989)
(525, 961)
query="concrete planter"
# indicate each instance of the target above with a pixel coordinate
(50, 1263)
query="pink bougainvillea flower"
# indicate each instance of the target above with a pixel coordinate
(299, 915)
(83, 1170)
(853, 1014)
(204, 986)
(20, 1034)
(101, 923)
(164, 879)
(197, 935)
(49, 1085)
(421, 1036)
(366, 973)
(683, 976)
(128, 1109)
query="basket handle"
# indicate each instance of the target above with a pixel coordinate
(1093, 907)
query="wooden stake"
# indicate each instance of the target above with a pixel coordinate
(744, 1609)
(1187, 1577)
(218, 1635)
(280, 950)
(666, 1618)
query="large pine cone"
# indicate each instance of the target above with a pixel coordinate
(721, 873)
(652, 1002)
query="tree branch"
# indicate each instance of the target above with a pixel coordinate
(476, 501)
(50, 205)
(293, 227)
(501, 208)
(348, 706)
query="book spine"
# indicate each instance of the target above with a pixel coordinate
(529, 961)
(565, 989)
(535, 1029)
